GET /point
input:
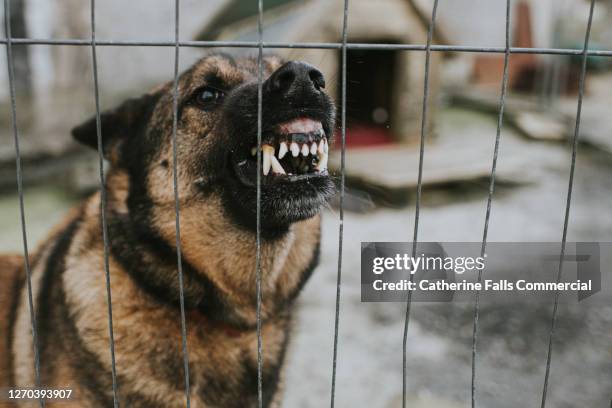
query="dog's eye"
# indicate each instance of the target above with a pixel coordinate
(208, 98)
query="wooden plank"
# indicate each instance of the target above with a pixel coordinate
(396, 167)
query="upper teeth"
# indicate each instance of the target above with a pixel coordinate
(282, 151)
(270, 161)
(268, 154)
(295, 149)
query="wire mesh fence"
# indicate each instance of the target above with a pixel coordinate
(9, 42)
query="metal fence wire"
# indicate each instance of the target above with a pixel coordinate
(9, 42)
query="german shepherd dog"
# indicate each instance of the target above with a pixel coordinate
(217, 182)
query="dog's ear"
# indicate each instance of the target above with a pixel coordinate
(116, 124)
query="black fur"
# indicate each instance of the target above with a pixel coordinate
(281, 203)
(117, 125)
(56, 326)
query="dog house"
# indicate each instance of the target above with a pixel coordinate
(384, 87)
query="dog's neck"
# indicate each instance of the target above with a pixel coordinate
(218, 259)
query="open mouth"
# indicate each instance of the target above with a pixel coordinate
(292, 151)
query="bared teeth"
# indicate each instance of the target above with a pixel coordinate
(313, 148)
(276, 166)
(322, 165)
(268, 154)
(295, 149)
(282, 150)
(318, 150)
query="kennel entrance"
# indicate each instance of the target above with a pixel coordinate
(370, 77)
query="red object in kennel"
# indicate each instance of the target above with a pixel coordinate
(364, 135)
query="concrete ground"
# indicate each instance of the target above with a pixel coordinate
(513, 340)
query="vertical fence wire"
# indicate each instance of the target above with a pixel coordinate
(179, 260)
(342, 191)
(570, 189)
(11, 74)
(500, 120)
(259, 169)
(103, 202)
(430, 32)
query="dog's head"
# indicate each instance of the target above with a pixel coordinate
(216, 140)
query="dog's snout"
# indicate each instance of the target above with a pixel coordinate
(293, 76)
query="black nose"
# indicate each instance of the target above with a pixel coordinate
(295, 76)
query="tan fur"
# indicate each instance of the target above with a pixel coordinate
(11, 276)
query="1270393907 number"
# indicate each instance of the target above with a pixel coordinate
(37, 393)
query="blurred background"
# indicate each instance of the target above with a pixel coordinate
(385, 90)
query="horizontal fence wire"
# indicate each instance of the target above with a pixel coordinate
(570, 189)
(500, 119)
(22, 218)
(417, 213)
(308, 45)
(341, 202)
(177, 221)
(103, 203)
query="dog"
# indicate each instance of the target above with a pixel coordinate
(216, 157)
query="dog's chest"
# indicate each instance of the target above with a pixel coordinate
(223, 365)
